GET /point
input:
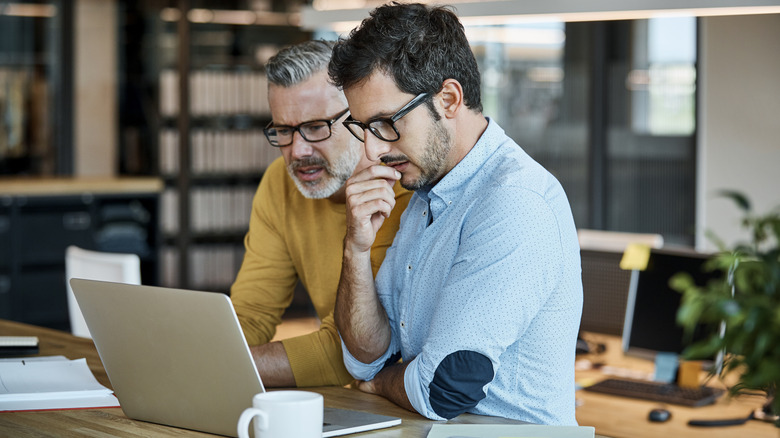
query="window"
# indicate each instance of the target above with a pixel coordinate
(609, 108)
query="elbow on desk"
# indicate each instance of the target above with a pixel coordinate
(458, 383)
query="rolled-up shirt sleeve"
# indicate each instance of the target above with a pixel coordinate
(367, 371)
(417, 391)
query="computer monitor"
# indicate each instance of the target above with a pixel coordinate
(650, 324)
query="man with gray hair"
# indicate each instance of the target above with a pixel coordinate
(298, 221)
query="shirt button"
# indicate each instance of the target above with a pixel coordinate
(403, 324)
(409, 267)
(424, 213)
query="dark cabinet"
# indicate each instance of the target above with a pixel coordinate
(45, 226)
(39, 220)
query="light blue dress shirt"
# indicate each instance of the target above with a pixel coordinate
(485, 300)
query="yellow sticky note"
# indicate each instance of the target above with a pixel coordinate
(635, 257)
(688, 377)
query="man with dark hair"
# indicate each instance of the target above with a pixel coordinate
(298, 221)
(480, 293)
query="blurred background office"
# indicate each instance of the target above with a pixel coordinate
(642, 113)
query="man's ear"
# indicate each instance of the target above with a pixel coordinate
(450, 98)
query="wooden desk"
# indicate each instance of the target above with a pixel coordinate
(624, 417)
(113, 422)
(612, 416)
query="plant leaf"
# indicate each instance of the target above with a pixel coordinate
(741, 200)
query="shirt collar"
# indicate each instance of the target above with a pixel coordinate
(452, 185)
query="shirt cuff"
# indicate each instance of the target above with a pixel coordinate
(417, 393)
(365, 371)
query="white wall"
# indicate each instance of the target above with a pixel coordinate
(95, 103)
(739, 121)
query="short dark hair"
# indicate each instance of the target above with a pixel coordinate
(417, 45)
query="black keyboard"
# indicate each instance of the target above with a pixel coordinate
(656, 391)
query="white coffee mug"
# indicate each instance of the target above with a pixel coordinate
(283, 414)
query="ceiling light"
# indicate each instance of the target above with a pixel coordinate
(28, 10)
(497, 12)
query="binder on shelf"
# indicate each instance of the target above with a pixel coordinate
(216, 93)
(218, 152)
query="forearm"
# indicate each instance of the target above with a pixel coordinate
(359, 315)
(272, 364)
(389, 383)
(316, 358)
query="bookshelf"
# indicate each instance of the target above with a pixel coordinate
(211, 156)
(36, 88)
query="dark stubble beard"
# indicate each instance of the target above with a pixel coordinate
(433, 162)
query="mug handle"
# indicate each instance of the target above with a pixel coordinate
(246, 418)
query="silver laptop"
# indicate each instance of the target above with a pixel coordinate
(179, 358)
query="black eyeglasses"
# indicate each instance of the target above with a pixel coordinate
(383, 127)
(312, 131)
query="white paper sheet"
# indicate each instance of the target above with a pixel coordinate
(50, 383)
(509, 431)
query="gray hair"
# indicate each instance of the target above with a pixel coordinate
(294, 64)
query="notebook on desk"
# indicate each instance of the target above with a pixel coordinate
(179, 358)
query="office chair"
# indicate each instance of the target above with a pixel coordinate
(95, 265)
(604, 284)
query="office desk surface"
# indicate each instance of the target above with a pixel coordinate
(113, 422)
(611, 416)
(625, 417)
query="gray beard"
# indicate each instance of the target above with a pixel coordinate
(336, 175)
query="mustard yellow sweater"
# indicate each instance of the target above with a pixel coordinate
(291, 237)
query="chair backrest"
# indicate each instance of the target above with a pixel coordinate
(96, 265)
(604, 284)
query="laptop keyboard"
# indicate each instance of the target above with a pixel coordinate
(657, 391)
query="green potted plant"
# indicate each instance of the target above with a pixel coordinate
(746, 299)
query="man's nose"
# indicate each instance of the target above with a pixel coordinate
(375, 148)
(300, 147)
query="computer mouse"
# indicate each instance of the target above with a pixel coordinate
(659, 415)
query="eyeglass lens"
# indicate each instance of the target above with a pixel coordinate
(384, 128)
(312, 131)
(381, 128)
